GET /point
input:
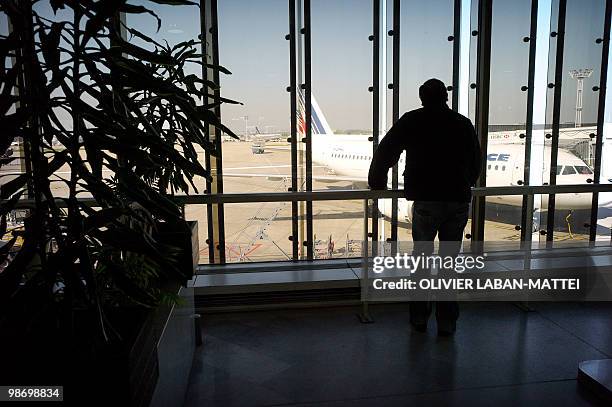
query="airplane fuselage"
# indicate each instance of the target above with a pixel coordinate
(349, 156)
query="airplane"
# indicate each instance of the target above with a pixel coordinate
(259, 136)
(347, 158)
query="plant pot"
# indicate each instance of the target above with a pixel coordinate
(152, 361)
(184, 239)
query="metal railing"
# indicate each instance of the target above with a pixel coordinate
(232, 198)
(528, 192)
(354, 194)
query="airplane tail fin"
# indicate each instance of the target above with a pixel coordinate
(319, 122)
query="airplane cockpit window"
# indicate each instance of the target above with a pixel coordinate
(568, 170)
(583, 169)
(558, 169)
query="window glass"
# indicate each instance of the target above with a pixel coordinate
(341, 74)
(178, 24)
(568, 170)
(425, 51)
(583, 169)
(579, 105)
(253, 47)
(507, 112)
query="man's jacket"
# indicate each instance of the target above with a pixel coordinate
(443, 157)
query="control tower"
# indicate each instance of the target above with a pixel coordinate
(579, 75)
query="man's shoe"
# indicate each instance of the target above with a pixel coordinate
(446, 328)
(422, 327)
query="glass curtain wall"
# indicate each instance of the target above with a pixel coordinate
(252, 45)
(335, 90)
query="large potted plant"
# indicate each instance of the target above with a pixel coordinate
(109, 131)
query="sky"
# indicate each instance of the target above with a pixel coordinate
(253, 46)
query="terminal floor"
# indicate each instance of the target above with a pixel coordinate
(500, 355)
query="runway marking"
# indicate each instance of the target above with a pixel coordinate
(230, 249)
(266, 166)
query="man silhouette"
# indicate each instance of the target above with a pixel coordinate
(443, 160)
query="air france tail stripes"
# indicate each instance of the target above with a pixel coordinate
(319, 123)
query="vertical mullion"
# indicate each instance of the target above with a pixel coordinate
(560, 35)
(218, 143)
(483, 78)
(603, 76)
(395, 113)
(293, 139)
(464, 15)
(308, 108)
(375, 101)
(204, 31)
(456, 54)
(527, 212)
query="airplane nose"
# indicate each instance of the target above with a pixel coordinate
(605, 200)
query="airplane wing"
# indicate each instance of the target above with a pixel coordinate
(277, 148)
(325, 178)
(257, 167)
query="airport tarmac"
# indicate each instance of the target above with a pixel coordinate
(260, 231)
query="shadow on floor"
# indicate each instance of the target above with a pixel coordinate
(499, 356)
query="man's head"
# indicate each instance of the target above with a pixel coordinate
(433, 93)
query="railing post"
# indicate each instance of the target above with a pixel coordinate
(210, 55)
(308, 122)
(396, 108)
(295, 239)
(375, 89)
(364, 316)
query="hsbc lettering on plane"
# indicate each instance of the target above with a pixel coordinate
(498, 157)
